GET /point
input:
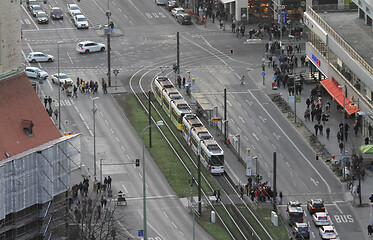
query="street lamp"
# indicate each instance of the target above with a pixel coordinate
(344, 118)
(158, 123)
(94, 110)
(59, 84)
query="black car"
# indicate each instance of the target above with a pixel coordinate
(171, 5)
(184, 18)
(315, 205)
(301, 230)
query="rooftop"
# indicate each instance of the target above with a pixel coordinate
(352, 29)
(19, 105)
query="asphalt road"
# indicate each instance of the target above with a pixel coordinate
(145, 35)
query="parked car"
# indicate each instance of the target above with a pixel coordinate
(328, 232)
(56, 13)
(36, 9)
(177, 11)
(315, 205)
(321, 219)
(171, 5)
(32, 72)
(184, 18)
(64, 79)
(39, 57)
(161, 2)
(71, 8)
(301, 230)
(80, 22)
(42, 17)
(89, 46)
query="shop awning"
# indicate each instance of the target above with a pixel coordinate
(337, 93)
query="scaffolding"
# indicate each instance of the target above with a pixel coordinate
(34, 190)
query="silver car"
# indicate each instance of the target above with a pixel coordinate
(89, 46)
(36, 9)
(39, 57)
(34, 72)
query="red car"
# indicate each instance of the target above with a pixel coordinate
(56, 13)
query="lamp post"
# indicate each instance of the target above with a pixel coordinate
(94, 135)
(59, 84)
(344, 117)
(108, 14)
(158, 123)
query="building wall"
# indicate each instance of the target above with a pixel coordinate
(10, 35)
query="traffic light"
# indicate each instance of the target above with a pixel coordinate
(264, 67)
(317, 156)
(175, 67)
(137, 162)
(231, 50)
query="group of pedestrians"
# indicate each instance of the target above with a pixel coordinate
(181, 82)
(87, 86)
(48, 106)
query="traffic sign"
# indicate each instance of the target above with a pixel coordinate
(141, 233)
(298, 99)
(263, 59)
(344, 159)
(263, 74)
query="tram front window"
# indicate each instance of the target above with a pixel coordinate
(217, 160)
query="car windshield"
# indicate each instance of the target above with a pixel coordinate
(57, 11)
(329, 231)
(41, 14)
(74, 8)
(81, 19)
(63, 77)
(37, 9)
(323, 218)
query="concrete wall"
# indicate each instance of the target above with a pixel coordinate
(367, 7)
(10, 35)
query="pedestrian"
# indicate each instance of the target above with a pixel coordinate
(339, 137)
(280, 202)
(313, 113)
(327, 132)
(105, 183)
(45, 101)
(366, 141)
(370, 229)
(183, 82)
(77, 81)
(241, 191)
(321, 129)
(221, 23)
(213, 17)
(341, 147)
(308, 102)
(56, 113)
(50, 112)
(218, 198)
(306, 114)
(50, 101)
(370, 130)
(316, 127)
(234, 25)
(356, 129)
(109, 182)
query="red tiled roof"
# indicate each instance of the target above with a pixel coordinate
(19, 101)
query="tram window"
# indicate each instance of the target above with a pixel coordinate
(195, 143)
(185, 129)
(175, 114)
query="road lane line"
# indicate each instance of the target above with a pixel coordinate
(117, 139)
(125, 189)
(30, 17)
(291, 141)
(70, 58)
(164, 213)
(111, 130)
(106, 122)
(339, 209)
(123, 149)
(174, 225)
(155, 230)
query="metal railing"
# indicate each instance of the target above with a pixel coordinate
(342, 42)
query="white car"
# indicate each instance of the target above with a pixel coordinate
(328, 232)
(39, 57)
(80, 21)
(89, 46)
(76, 13)
(32, 72)
(64, 79)
(177, 11)
(321, 219)
(71, 8)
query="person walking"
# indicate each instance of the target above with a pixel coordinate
(50, 101)
(328, 133)
(356, 129)
(339, 137)
(234, 25)
(341, 147)
(316, 127)
(109, 182)
(370, 229)
(280, 202)
(308, 102)
(45, 101)
(218, 197)
(183, 82)
(241, 191)
(56, 113)
(321, 129)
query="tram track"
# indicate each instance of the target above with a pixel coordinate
(138, 84)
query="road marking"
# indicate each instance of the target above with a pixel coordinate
(241, 119)
(239, 129)
(148, 15)
(246, 138)
(295, 146)
(123, 149)
(162, 15)
(260, 155)
(70, 58)
(125, 189)
(260, 129)
(229, 103)
(263, 119)
(164, 213)
(233, 121)
(155, 15)
(174, 225)
(276, 136)
(265, 163)
(106, 122)
(30, 17)
(344, 218)
(119, 10)
(274, 146)
(314, 181)
(248, 102)
(339, 209)
(255, 136)
(117, 139)
(252, 146)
